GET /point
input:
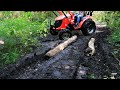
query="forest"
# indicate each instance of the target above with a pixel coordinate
(20, 32)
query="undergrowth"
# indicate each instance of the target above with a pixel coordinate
(19, 30)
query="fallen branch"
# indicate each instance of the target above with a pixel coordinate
(91, 47)
(61, 46)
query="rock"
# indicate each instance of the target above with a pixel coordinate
(67, 67)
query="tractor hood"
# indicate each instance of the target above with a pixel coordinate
(62, 17)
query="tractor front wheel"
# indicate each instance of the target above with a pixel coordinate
(65, 34)
(52, 31)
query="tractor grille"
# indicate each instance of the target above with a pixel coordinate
(58, 23)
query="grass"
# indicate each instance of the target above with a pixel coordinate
(114, 41)
(114, 38)
(19, 32)
(112, 18)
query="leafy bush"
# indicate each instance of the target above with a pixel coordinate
(19, 32)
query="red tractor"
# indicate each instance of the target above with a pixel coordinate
(66, 23)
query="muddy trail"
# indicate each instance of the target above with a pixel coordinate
(71, 63)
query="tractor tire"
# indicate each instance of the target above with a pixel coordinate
(52, 31)
(65, 34)
(88, 27)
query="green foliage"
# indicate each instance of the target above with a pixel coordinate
(112, 18)
(99, 16)
(113, 21)
(19, 30)
(8, 56)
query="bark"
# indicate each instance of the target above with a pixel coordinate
(61, 46)
(91, 47)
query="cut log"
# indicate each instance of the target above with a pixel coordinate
(91, 47)
(1, 42)
(61, 46)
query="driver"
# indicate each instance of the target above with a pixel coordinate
(78, 17)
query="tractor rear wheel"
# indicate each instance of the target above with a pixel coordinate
(65, 34)
(88, 27)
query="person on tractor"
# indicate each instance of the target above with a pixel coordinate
(78, 17)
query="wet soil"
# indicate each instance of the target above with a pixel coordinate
(71, 63)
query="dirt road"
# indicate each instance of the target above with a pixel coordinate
(71, 63)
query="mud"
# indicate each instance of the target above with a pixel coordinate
(71, 63)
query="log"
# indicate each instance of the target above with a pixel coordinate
(61, 46)
(91, 47)
(1, 42)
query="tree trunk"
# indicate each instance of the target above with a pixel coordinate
(61, 46)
